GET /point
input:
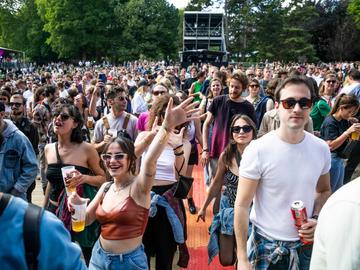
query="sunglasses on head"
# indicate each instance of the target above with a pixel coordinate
(117, 157)
(331, 81)
(16, 104)
(290, 103)
(237, 129)
(63, 116)
(156, 93)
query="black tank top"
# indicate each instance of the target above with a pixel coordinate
(54, 176)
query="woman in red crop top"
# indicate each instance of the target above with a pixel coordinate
(121, 207)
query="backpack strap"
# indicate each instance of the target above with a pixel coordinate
(31, 229)
(4, 200)
(126, 121)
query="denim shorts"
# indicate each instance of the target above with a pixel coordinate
(132, 260)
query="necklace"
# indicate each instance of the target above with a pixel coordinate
(122, 186)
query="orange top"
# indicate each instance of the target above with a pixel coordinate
(127, 220)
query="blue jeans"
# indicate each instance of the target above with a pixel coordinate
(132, 260)
(337, 172)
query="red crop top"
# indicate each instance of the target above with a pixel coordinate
(127, 220)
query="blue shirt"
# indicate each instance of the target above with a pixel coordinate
(56, 249)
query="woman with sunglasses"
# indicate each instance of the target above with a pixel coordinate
(261, 104)
(159, 238)
(323, 101)
(336, 130)
(122, 206)
(71, 150)
(242, 132)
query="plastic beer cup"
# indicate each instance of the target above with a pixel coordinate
(355, 136)
(79, 214)
(67, 174)
(90, 122)
(112, 132)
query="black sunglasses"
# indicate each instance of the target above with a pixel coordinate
(290, 103)
(331, 81)
(121, 98)
(254, 85)
(63, 116)
(156, 93)
(237, 129)
(117, 157)
(16, 104)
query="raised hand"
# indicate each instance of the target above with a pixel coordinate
(180, 114)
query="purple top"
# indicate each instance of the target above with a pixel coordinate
(143, 119)
(223, 109)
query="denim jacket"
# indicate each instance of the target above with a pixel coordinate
(175, 223)
(18, 164)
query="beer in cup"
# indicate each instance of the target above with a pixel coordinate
(67, 173)
(78, 215)
(90, 122)
(355, 136)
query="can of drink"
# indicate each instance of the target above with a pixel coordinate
(299, 214)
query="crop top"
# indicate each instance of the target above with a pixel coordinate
(125, 221)
(165, 165)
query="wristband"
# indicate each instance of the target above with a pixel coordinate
(315, 217)
(177, 147)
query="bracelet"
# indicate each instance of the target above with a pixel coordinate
(177, 147)
(179, 154)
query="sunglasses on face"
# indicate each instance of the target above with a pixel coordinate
(3, 99)
(121, 98)
(237, 129)
(156, 93)
(290, 103)
(16, 104)
(254, 85)
(63, 116)
(331, 81)
(251, 75)
(117, 157)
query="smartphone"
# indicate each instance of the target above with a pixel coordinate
(102, 77)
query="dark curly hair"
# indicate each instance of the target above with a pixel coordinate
(76, 134)
(127, 146)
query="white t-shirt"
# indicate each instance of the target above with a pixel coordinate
(337, 235)
(117, 123)
(286, 173)
(139, 104)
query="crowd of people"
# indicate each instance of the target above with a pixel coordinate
(266, 136)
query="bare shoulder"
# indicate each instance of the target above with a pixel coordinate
(88, 148)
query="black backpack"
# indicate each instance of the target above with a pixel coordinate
(31, 227)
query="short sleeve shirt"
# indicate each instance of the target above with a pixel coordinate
(332, 129)
(223, 109)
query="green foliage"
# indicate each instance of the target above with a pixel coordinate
(354, 10)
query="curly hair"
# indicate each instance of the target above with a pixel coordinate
(159, 107)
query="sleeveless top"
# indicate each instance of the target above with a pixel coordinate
(54, 175)
(125, 221)
(165, 165)
(231, 183)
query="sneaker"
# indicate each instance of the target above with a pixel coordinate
(192, 207)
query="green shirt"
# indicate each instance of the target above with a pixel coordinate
(318, 113)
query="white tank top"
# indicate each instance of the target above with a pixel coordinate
(165, 165)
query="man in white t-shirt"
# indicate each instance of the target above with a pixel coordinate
(118, 119)
(337, 236)
(283, 166)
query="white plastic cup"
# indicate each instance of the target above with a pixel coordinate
(90, 122)
(112, 132)
(67, 174)
(79, 215)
